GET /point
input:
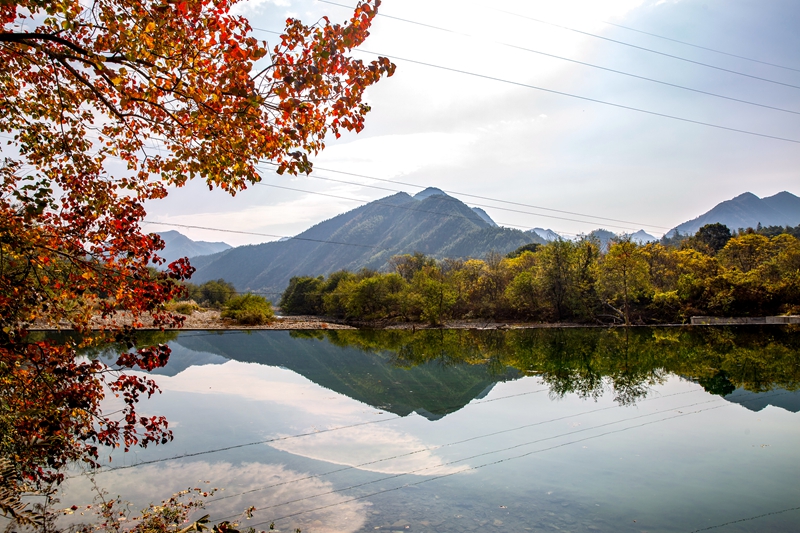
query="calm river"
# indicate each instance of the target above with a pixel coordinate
(645, 430)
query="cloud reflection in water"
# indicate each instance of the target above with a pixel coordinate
(151, 484)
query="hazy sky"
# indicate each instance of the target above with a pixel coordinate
(459, 132)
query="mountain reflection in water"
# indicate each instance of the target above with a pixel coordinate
(579, 429)
(437, 372)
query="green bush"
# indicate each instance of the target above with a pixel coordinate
(303, 296)
(185, 307)
(249, 309)
(214, 293)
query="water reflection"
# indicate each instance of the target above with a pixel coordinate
(436, 372)
(318, 428)
(241, 482)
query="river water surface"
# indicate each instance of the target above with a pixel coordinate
(536, 430)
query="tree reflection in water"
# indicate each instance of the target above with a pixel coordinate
(590, 362)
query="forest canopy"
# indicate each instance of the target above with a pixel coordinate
(713, 273)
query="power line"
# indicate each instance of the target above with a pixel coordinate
(495, 433)
(647, 49)
(607, 69)
(475, 196)
(483, 454)
(277, 439)
(579, 97)
(700, 47)
(749, 519)
(525, 228)
(681, 414)
(378, 202)
(236, 446)
(258, 234)
(454, 200)
(473, 468)
(507, 224)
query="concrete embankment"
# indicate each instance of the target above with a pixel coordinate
(743, 320)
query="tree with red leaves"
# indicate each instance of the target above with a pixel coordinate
(86, 89)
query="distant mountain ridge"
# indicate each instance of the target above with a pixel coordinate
(179, 245)
(747, 211)
(642, 237)
(603, 236)
(430, 222)
(546, 234)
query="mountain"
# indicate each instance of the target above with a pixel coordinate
(546, 234)
(430, 191)
(486, 218)
(788, 400)
(747, 211)
(642, 237)
(431, 222)
(603, 237)
(179, 245)
(432, 389)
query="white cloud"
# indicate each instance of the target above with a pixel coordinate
(309, 403)
(367, 444)
(394, 155)
(286, 218)
(480, 136)
(254, 7)
(151, 484)
(265, 384)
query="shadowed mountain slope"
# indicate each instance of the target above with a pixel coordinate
(366, 237)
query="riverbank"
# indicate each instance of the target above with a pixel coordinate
(210, 319)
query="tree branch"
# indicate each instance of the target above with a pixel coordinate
(23, 38)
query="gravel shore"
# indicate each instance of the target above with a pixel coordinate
(209, 319)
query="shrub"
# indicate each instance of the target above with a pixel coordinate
(249, 309)
(214, 293)
(303, 296)
(185, 307)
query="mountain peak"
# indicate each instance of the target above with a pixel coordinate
(746, 196)
(642, 237)
(178, 245)
(546, 234)
(747, 211)
(427, 193)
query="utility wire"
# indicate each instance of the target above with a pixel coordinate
(653, 80)
(482, 454)
(499, 461)
(607, 69)
(647, 49)
(378, 202)
(432, 448)
(579, 97)
(700, 47)
(289, 437)
(681, 414)
(476, 196)
(749, 519)
(489, 198)
(446, 191)
(236, 446)
(258, 234)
